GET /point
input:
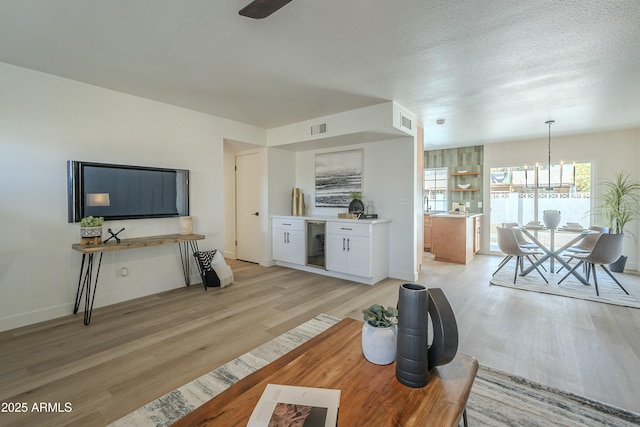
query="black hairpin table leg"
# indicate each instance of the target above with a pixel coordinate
(84, 286)
(186, 259)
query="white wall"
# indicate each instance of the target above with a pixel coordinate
(388, 181)
(47, 120)
(609, 152)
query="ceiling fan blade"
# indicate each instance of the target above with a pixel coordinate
(259, 9)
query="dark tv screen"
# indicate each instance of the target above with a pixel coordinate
(126, 192)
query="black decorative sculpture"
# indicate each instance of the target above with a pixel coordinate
(114, 235)
(415, 357)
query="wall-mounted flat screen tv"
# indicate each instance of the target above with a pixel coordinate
(126, 192)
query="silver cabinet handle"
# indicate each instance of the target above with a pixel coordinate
(347, 244)
(343, 243)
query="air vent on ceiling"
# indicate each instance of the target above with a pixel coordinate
(406, 122)
(321, 128)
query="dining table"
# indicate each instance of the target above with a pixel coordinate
(552, 253)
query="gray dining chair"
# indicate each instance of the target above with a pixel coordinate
(607, 249)
(509, 246)
(522, 241)
(585, 245)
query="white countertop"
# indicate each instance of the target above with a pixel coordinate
(333, 218)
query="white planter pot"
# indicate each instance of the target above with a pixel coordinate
(91, 231)
(379, 344)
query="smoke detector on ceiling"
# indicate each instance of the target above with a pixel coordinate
(440, 121)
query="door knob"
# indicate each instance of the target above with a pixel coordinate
(256, 214)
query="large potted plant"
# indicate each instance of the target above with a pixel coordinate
(379, 334)
(620, 205)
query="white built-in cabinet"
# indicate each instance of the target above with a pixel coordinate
(349, 248)
(356, 250)
(289, 240)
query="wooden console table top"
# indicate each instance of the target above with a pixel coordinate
(370, 394)
(137, 242)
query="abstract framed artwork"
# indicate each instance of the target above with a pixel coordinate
(338, 174)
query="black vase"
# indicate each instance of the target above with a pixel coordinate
(413, 329)
(414, 358)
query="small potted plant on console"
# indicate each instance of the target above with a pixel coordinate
(91, 230)
(379, 334)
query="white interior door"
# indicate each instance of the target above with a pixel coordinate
(248, 243)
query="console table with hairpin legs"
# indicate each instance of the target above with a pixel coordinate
(87, 278)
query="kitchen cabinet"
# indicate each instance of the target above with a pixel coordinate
(427, 233)
(476, 226)
(289, 240)
(355, 249)
(349, 248)
(454, 237)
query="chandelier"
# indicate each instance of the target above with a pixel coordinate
(549, 186)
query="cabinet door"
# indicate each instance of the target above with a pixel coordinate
(296, 247)
(280, 247)
(336, 253)
(359, 256)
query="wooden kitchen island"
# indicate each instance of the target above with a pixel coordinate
(455, 237)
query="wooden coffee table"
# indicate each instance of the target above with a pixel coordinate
(370, 394)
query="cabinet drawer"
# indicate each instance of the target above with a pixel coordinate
(348, 229)
(289, 224)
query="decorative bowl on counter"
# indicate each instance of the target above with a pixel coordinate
(464, 186)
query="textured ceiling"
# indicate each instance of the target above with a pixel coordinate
(495, 70)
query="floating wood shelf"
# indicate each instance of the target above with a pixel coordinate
(463, 173)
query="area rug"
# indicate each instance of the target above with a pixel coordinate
(497, 399)
(610, 293)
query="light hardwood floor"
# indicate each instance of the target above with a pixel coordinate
(135, 351)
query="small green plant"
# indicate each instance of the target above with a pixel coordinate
(91, 221)
(379, 317)
(356, 195)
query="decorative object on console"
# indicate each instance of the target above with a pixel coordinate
(356, 206)
(114, 235)
(379, 334)
(414, 357)
(91, 230)
(551, 219)
(297, 202)
(185, 225)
